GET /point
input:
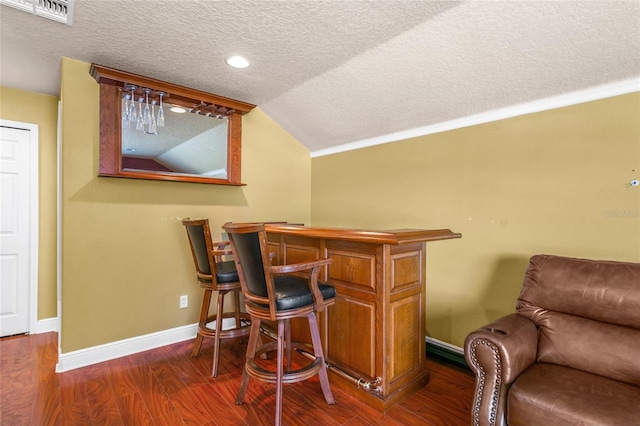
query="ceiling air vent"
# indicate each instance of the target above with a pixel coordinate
(56, 10)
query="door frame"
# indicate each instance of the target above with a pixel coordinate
(33, 216)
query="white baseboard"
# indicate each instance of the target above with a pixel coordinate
(46, 325)
(108, 351)
(444, 345)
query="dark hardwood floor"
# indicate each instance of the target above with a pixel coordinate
(165, 386)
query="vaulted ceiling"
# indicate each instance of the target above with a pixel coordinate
(337, 72)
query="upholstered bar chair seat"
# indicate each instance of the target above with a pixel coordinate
(214, 274)
(279, 293)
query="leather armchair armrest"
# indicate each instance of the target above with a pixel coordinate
(498, 353)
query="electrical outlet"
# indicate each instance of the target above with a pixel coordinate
(184, 301)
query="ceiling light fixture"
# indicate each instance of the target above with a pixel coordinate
(237, 62)
(177, 109)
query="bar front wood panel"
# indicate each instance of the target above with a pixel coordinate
(353, 336)
(375, 330)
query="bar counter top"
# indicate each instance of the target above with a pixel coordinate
(394, 237)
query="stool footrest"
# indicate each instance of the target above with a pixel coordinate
(292, 376)
(243, 330)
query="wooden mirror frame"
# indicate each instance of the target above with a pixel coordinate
(112, 82)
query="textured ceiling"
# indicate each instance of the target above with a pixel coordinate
(337, 72)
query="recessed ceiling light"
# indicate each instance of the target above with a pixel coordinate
(238, 62)
(178, 109)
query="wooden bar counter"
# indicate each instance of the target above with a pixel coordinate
(373, 337)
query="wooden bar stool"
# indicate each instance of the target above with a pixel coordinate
(215, 274)
(279, 293)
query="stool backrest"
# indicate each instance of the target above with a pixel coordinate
(202, 249)
(249, 245)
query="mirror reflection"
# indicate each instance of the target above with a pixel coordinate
(188, 143)
(202, 145)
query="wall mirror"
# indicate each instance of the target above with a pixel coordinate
(150, 129)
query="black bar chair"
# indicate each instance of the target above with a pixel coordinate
(279, 293)
(215, 274)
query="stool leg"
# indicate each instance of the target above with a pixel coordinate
(287, 342)
(279, 370)
(204, 312)
(216, 339)
(317, 351)
(236, 297)
(254, 335)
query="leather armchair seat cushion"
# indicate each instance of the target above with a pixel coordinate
(549, 394)
(293, 292)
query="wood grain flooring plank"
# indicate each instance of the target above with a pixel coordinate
(188, 374)
(218, 408)
(102, 402)
(167, 377)
(166, 386)
(190, 409)
(71, 387)
(378, 421)
(204, 362)
(133, 411)
(49, 400)
(153, 394)
(77, 413)
(18, 411)
(342, 411)
(48, 404)
(171, 419)
(255, 411)
(121, 379)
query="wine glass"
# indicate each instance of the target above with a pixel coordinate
(125, 111)
(160, 122)
(153, 130)
(140, 122)
(147, 113)
(133, 115)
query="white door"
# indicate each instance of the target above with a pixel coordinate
(15, 215)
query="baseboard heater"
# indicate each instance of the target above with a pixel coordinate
(443, 350)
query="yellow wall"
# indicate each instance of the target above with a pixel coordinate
(554, 182)
(36, 108)
(126, 258)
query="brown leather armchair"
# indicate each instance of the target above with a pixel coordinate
(569, 355)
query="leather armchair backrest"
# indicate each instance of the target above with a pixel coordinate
(600, 290)
(587, 313)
